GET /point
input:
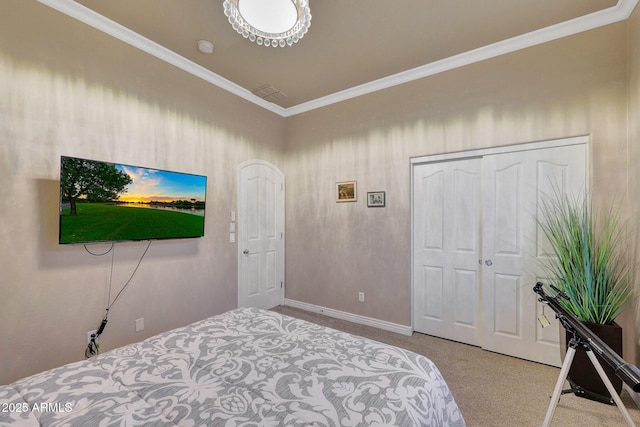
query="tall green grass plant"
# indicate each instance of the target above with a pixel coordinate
(590, 263)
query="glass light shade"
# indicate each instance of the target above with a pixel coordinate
(276, 23)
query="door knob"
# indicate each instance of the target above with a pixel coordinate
(489, 262)
(246, 252)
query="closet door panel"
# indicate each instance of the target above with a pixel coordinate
(445, 248)
(514, 187)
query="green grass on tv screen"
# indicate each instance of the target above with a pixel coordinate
(104, 222)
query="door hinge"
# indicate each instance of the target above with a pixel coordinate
(281, 285)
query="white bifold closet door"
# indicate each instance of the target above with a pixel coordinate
(477, 247)
(447, 249)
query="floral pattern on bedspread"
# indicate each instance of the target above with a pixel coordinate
(246, 367)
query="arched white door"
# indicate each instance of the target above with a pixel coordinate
(260, 235)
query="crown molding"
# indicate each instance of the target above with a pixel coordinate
(620, 12)
(617, 13)
(108, 26)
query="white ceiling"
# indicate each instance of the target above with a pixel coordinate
(353, 47)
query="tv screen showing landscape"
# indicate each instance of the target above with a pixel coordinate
(111, 202)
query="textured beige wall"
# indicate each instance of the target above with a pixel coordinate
(68, 89)
(573, 86)
(632, 317)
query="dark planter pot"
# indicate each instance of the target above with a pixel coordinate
(583, 377)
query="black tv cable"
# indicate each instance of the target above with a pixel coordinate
(93, 348)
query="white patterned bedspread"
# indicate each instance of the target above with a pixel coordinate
(246, 367)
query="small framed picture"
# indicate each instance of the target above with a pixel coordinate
(346, 191)
(376, 199)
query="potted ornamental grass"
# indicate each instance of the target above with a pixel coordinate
(590, 264)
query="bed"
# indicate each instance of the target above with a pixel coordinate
(246, 367)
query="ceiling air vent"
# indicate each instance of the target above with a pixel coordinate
(269, 93)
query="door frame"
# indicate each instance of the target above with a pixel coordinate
(459, 155)
(240, 232)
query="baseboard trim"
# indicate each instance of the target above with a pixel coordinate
(350, 317)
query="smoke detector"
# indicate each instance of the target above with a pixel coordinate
(205, 46)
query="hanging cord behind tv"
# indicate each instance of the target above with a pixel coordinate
(93, 348)
(104, 253)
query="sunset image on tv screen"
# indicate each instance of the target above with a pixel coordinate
(107, 202)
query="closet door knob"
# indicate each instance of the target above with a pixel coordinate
(489, 262)
(246, 252)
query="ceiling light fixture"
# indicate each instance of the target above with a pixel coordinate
(276, 23)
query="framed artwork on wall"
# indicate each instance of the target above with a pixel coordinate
(376, 199)
(346, 191)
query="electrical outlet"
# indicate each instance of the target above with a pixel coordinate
(361, 296)
(140, 324)
(89, 335)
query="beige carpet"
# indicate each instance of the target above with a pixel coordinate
(492, 389)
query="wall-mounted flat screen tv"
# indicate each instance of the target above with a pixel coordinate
(111, 202)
